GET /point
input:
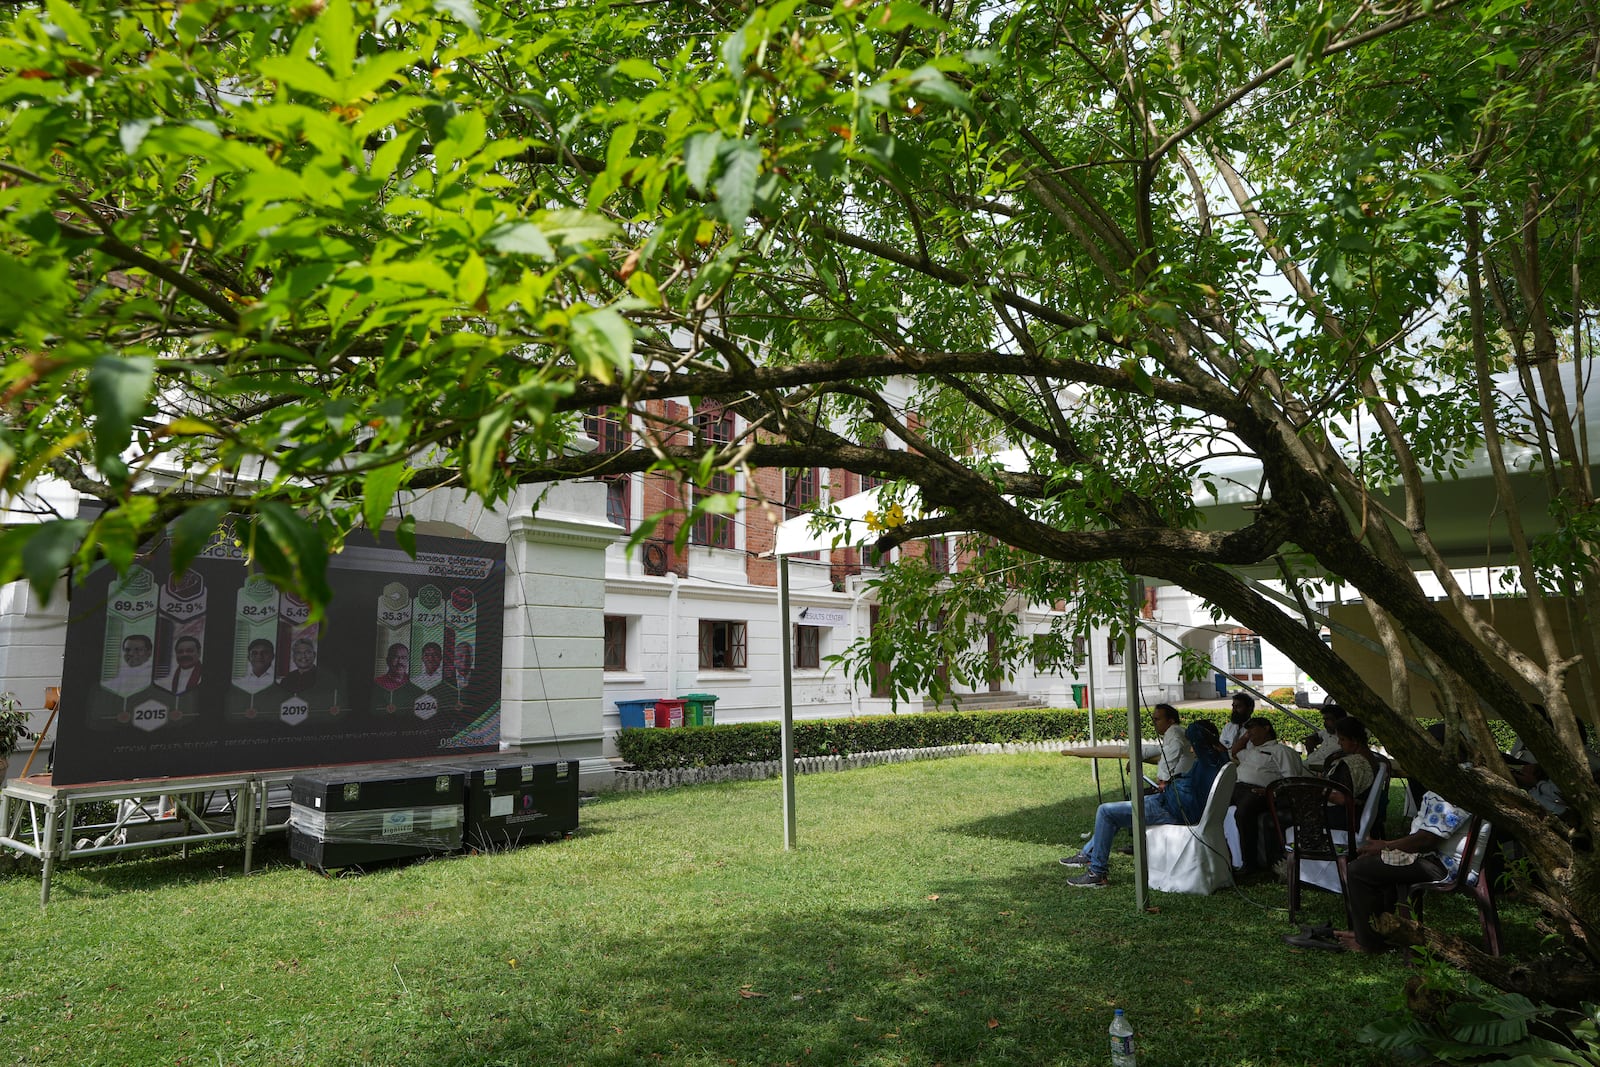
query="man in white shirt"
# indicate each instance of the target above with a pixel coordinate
(1244, 707)
(1262, 760)
(259, 656)
(1322, 747)
(1177, 755)
(134, 674)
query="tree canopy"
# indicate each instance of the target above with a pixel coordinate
(291, 259)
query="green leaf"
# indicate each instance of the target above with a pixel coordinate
(463, 11)
(602, 340)
(65, 17)
(900, 14)
(483, 450)
(575, 227)
(40, 552)
(620, 145)
(337, 37)
(191, 532)
(520, 238)
(299, 545)
(118, 386)
(699, 152)
(377, 493)
(405, 535)
(472, 278)
(639, 70)
(733, 47)
(930, 82)
(300, 74)
(736, 187)
(643, 285)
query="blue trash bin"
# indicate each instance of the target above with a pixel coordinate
(637, 714)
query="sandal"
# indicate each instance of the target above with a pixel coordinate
(1327, 944)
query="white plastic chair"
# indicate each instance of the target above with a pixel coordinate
(1194, 859)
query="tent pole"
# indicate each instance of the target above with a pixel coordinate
(786, 736)
(1089, 699)
(1130, 659)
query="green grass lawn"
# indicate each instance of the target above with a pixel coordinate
(922, 920)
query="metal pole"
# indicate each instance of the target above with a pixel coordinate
(786, 735)
(1094, 764)
(1130, 660)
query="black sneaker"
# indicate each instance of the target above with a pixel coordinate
(1088, 880)
(1080, 860)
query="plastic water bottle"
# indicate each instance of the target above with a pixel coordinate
(1122, 1054)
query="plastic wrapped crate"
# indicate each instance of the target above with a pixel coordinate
(353, 816)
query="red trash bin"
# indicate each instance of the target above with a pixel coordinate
(669, 713)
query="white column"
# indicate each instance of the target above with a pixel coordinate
(553, 667)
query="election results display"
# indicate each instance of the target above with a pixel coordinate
(216, 670)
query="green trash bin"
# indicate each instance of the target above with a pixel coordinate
(1080, 694)
(700, 709)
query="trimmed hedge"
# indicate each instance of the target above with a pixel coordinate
(709, 746)
(755, 742)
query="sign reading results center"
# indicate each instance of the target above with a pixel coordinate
(822, 617)
(217, 670)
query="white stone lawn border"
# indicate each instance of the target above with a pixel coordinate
(635, 781)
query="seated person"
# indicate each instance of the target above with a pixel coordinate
(1244, 706)
(1182, 802)
(1385, 870)
(1355, 772)
(1262, 760)
(1322, 747)
(1531, 777)
(1177, 755)
(1209, 741)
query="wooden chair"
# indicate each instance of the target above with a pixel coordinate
(1304, 802)
(1469, 877)
(1324, 874)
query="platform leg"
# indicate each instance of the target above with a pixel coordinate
(245, 816)
(47, 855)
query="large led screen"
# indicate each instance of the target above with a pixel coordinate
(217, 671)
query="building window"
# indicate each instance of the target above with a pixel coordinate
(722, 645)
(1080, 650)
(808, 646)
(715, 427)
(801, 491)
(1144, 651)
(939, 555)
(610, 434)
(616, 654)
(1244, 652)
(1041, 652)
(1114, 650)
(619, 500)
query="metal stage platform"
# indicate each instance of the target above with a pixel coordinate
(39, 819)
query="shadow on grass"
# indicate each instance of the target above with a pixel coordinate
(1005, 969)
(96, 877)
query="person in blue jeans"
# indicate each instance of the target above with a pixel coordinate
(1183, 801)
